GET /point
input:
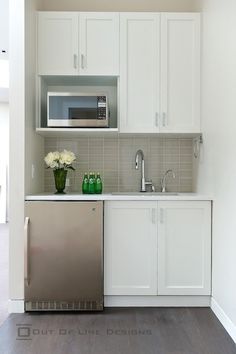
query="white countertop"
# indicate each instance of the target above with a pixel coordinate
(117, 196)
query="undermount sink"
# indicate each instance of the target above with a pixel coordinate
(146, 193)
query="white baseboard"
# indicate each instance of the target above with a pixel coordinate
(224, 319)
(16, 306)
(157, 301)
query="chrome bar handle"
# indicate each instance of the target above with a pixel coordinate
(156, 119)
(164, 123)
(82, 61)
(26, 250)
(161, 216)
(75, 61)
(153, 215)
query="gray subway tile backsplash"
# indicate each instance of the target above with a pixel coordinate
(114, 159)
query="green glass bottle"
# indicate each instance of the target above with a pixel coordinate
(98, 184)
(85, 184)
(91, 184)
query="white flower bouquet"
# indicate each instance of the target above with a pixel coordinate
(60, 160)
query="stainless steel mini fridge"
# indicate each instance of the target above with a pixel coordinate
(63, 255)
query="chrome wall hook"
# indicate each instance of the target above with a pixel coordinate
(196, 146)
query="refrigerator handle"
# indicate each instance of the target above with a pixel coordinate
(26, 250)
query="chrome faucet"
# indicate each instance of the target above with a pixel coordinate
(163, 180)
(144, 183)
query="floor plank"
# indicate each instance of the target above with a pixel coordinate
(117, 331)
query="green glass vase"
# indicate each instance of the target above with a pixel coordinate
(60, 180)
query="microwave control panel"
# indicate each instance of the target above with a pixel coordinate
(102, 107)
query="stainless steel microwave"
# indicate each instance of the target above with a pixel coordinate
(77, 110)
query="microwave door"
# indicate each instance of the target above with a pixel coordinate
(84, 112)
(77, 111)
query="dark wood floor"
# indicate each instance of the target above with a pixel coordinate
(117, 331)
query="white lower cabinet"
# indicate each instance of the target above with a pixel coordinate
(184, 248)
(130, 248)
(157, 248)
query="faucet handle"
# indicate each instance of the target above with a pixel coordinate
(149, 183)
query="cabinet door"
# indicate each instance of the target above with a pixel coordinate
(130, 246)
(99, 43)
(139, 72)
(180, 72)
(184, 248)
(57, 43)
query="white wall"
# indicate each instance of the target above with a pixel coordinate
(34, 144)
(121, 5)
(4, 160)
(25, 145)
(17, 158)
(4, 132)
(217, 168)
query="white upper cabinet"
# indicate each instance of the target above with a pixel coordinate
(155, 55)
(139, 72)
(57, 43)
(78, 43)
(160, 73)
(130, 248)
(184, 248)
(180, 72)
(99, 43)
